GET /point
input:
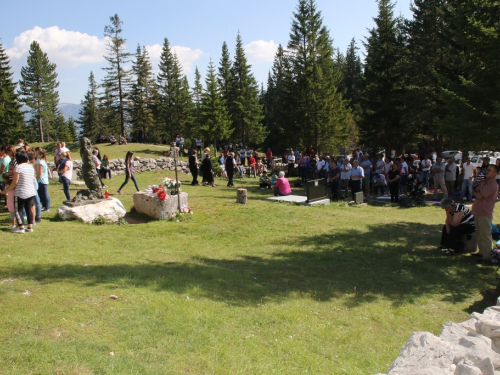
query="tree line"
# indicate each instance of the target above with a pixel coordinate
(427, 82)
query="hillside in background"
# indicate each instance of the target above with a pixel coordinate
(67, 109)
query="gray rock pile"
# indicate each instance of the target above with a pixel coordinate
(468, 348)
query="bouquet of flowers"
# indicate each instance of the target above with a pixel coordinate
(184, 215)
(171, 185)
(160, 192)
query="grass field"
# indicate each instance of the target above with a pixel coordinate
(261, 288)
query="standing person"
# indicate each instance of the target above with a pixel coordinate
(468, 172)
(129, 173)
(345, 176)
(4, 164)
(426, 165)
(450, 176)
(193, 167)
(269, 157)
(57, 154)
(438, 169)
(291, 163)
(230, 164)
(303, 167)
(24, 192)
(105, 168)
(334, 178)
(42, 176)
(243, 155)
(366, 164)
(65, 171)
(208, 171)
(97, 162)
(393, 179)
(357, 177)
(486, 195)
(403, 176)
(198, 145)
(37, 206)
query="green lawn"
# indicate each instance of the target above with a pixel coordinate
(260, 288)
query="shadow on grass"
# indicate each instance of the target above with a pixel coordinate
(395, 261)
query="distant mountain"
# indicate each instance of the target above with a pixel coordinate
(69, 109)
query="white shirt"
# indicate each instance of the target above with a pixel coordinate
(426, 165)
(320, 164)
(468, 171)
(291, 158)
(25, 188)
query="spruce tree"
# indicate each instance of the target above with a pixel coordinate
(117, 80)
(174, 95)
(70, 124)
(384, 94)
(38, 89)
(243, 101)
(89, 114)
(320, 115)
(428, 59)
(224, 76)
(352, 75)
(197, 104)
(471, 92)
(214, 113)
(142, 94)
(11, 118)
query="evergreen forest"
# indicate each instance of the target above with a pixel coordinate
(426, 83)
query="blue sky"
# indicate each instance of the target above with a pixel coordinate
(71, 32)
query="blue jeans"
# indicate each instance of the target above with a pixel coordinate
(467, 184)
(65, 181)
(43, 193)
(424, 178)
(132, 177)
(38, 207)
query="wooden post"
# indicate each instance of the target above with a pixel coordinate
(241, 196)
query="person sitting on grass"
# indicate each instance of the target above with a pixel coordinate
(282, 186)
(459, 222)
(123, 140)
(112, 140)
(265, 181)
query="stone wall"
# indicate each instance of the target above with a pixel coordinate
(468, 348)
(145, 165)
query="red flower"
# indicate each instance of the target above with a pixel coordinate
(162, 196)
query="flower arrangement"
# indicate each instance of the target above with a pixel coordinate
(171, 184)
(184, 215)
(160, 192)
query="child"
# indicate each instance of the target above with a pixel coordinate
(478, 178)
(10, 203)
(265, 182)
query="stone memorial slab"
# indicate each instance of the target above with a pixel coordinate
(148, 203)
(111, 209)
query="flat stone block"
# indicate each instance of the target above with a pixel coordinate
(111, 209)
(299, 199)
(149, 204)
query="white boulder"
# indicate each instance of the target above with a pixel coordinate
(111, 209)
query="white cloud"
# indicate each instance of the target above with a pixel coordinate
(64, 48)
(186, 56)
(260, 51)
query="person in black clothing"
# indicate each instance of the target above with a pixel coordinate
(393, 180)
(208, 173)
(193, 167)
(230, 168)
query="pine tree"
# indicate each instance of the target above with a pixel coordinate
(89, 116)
(471, 92)
(224, 76)
(11, 118)
(320, 115)
(117, 78)
(142, 94)
(215, 116)
(278, 111)
(174, 96)
(197, 104)
(37, 88)
(352, 75)
(243, 101)
(428, 59)
(383, 123)
(70, 124)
